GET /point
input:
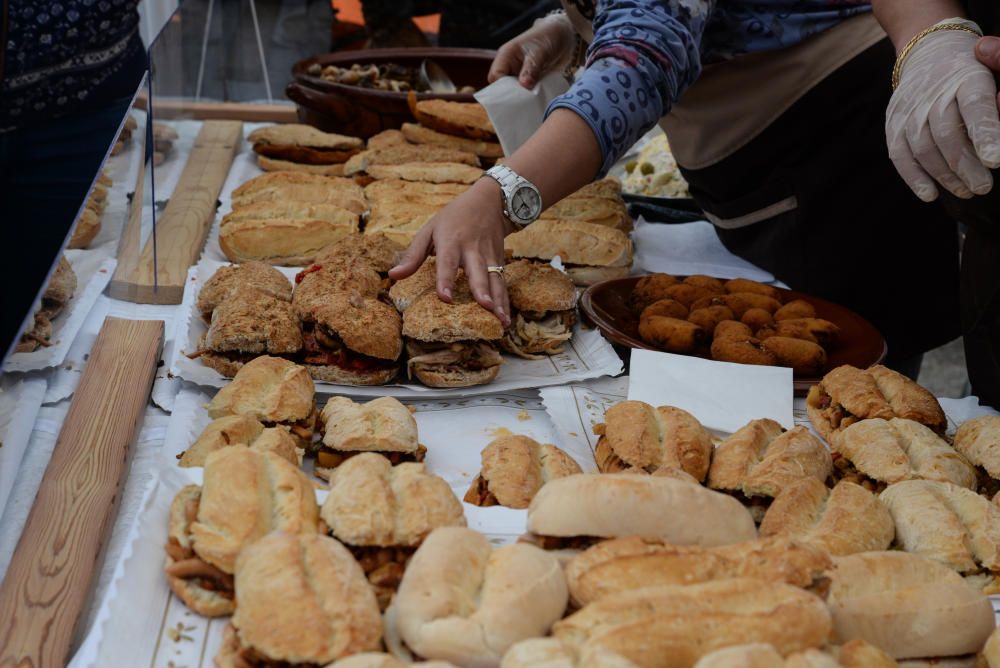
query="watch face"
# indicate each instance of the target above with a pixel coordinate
(525, 204)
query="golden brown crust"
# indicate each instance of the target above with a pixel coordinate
(803, 357)
(221, 433)
(515, 467)
(673, 626)
(597, 210)
(909, 400)
(652, 288)
(383, 425)
(249, 321)
(302, 187)
(228, 279)
(456, 378)
(978, 440)
(386, 138)
(739, 453)
(284, 242)
(291, 211)
(413, 192)
(279, 165)
(88, 225)
(844, 395)
(842, 521)
(294, 134)
(304, 599)
(62, 284)
(403, 293)
(649, 438)
(365, 325)
(574, 241)
(487, 149)
(398, 154)
(337, 277)
(462, 119)
(431, 172)
(669, 308)
(608, 187)
(430, 319)
(797, 308)
(269, 388)
(538, 287)
(790, 457)
(709, 317)
(741, 351)
(671, 334)
(378, 250)
(340, 376)
(372, 502)
(736, 285)
(306, 155)
(622, 564)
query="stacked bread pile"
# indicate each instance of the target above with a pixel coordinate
(302, 148)
(58, 291)
(88, 224)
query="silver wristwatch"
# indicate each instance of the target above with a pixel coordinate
(522, 203)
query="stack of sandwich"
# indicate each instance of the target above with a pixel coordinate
(392, 157)
(302, 148)
(58, 292)
(88, 225)
(287, 217)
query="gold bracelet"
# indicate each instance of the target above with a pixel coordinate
(897, 69)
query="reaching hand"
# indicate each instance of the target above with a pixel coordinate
(547, 45)
(942, 123)
(467, 233)
(988, 53)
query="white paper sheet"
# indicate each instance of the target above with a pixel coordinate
(723, 396)
(515, 111)
(588, 355)
(689, 248)
(93, 273)
(20, 399)
(161, 630)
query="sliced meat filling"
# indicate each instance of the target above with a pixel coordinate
(837, 416)
(534, 334)
(479, 494)
(844, 469)
(323, 347)
(327, 458)
(384, 568)
(187, 565)
(247, 657)
(561, 542)
(443, 357)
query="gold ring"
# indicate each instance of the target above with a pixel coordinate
(495, 269)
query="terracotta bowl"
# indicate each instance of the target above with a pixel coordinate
(363, 112)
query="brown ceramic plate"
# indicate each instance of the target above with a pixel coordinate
(606, 306)
(363, 112)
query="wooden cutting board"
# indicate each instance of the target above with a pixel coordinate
(58, 556)
(155, 274)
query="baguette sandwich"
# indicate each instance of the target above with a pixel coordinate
(245, 495)
(638, 437)
(590, 252)
(278, 165)
(844, 520)
(382, 513)
(417, 134)
(451, 345)
(978, 440)
(514, 469)
(231, 278)
(461, 119)
(301, 187)
(464, 602)
(401, 154)
(543, 305)
(275, 392)
(579, 510)
(382, 425)
(847, 394)
(303, 144)
(853, 654)
(245, 431)
(303, 602)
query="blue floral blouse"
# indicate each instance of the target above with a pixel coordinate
(645, 53)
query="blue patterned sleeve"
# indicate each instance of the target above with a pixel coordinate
(645, 53)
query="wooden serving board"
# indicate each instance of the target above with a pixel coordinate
(58, 555)
(156, 275)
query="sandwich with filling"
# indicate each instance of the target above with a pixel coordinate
(382, 425)
(543, 305)
(591, 253)
(241, 431)
(514, 468)
(230, 278)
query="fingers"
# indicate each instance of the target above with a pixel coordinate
(447, 267)
(414, 255)
(928, 156)
(498, 290)
(507, 61)
(976, 102)
(479, 282)
(920, 183)
(969, 176)
(988, 52)
(530, 68)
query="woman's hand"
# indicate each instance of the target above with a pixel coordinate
(988, 53)
(547, 45)
(467, 233)
(942, 123)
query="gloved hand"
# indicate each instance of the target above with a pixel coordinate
(988, 53)
(544, 47)
(942, 123)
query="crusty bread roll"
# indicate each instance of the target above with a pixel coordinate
(990, 655)
(946, 523)
(297, 134)
(538, 287)
(405, 153)
(270, 389)
(637, 435)
(551, 653)
(430, 319)
(607, 211)
(908, 606)
(279, 165)
(302, 187)
(383, 424)
(622, 564)
(978, 440)
(463, 602)
(404, 292)
(575, 242)
(430, 172)
(303, 599)
(623, 504)
(674, 626)
(855, 654)
(250, 321)
(842, 521)
(364, 325)
(761, 459)
(378, 660)
(372, 502)
(291, 242)
(462, 119)
(413, 191)
(240, 430)
(419, 134)
(897, 449)
(514, 469)
(231, 278)
(380, 252)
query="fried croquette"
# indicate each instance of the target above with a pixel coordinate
(688, 294)
(709, 317)
(671, 334)
(757, 318)
(669, 308)
(649, 289)
(797, 308)
(741, 302)
(732, 329)
(804, 357)
(743, 351)
(817, 330)
(737, 285)
(704, 281)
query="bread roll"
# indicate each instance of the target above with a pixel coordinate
(270, 389)
(575, 242)
(978, 440)
(514, 469)
(463, 602)
(908, 606)
(383, 425)
(624, 504)
(550, 653)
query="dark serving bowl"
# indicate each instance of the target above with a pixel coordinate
(606, 305)
(363, 112)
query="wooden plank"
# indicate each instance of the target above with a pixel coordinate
(58, 556)
(159, 275)
(129, 246)
(180, 108)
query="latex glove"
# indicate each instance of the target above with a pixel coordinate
(467, 233)
(546, 46)
(942, 123)
(988, 53)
